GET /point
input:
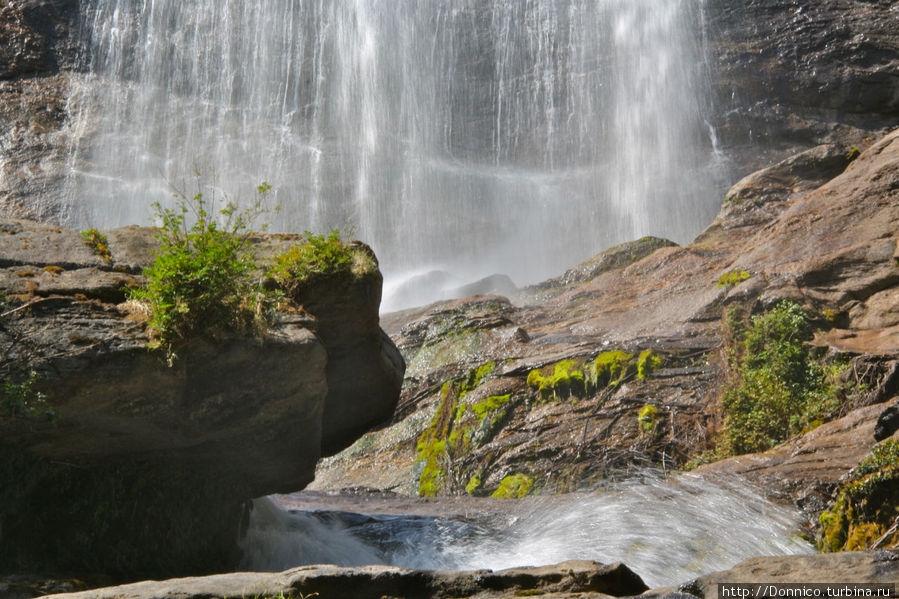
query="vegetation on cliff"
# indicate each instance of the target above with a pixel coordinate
(201, 281)
(779, 386)
(205, 279)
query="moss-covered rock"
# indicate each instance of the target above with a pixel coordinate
(514, 486)
(866, 509)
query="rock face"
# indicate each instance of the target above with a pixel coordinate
(818, 229)
(791, 75)
(231, 419)
(38, 52)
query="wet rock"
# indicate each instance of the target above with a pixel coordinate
(828, 245)
(792, 75)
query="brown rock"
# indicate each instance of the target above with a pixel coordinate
(232, 418)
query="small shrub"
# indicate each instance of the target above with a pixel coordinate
(201, 279)
(778, 387)
(98, 242)
(21, 400)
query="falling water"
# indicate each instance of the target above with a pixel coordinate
(668, 533)
(475, 136)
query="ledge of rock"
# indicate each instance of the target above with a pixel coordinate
(570, 578)
(144, 452)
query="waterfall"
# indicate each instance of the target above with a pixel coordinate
(667, 532)
(475, 136)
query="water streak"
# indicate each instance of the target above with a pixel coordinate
(667, 532)
(477, 136)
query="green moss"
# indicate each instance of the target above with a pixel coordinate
(474, 483)
(565, 381)
(456, 428)
(867, 504)
(647, 417)
(853, 154)
(609, 368)
(514, 486)
(732, 278)
(647, 362)
(489, 406)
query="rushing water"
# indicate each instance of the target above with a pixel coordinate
(667, 532)
(476, 136)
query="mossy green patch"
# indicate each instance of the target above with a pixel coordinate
(565, 381)
(474, 483)
(458, 427)
(514, 486)
(867, 504)
(647, 417)
(610, 368)
(732, 278)
(647, 362)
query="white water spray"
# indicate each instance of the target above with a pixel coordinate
(477, 136)
(666, 532)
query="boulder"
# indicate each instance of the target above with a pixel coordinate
(144, 451)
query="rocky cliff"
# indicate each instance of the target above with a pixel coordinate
(145, 469)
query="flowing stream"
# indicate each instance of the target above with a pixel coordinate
(667, 532)
(474, 136)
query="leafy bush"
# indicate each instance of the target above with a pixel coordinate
(778, 387)
(201, 279)
(21, 400)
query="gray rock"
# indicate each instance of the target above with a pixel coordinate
(384, 581)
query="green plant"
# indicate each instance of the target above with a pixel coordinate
(201, 279)
(778, 387)
(610, 368)
(98, 242)
(21, 400)
(565, 381)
